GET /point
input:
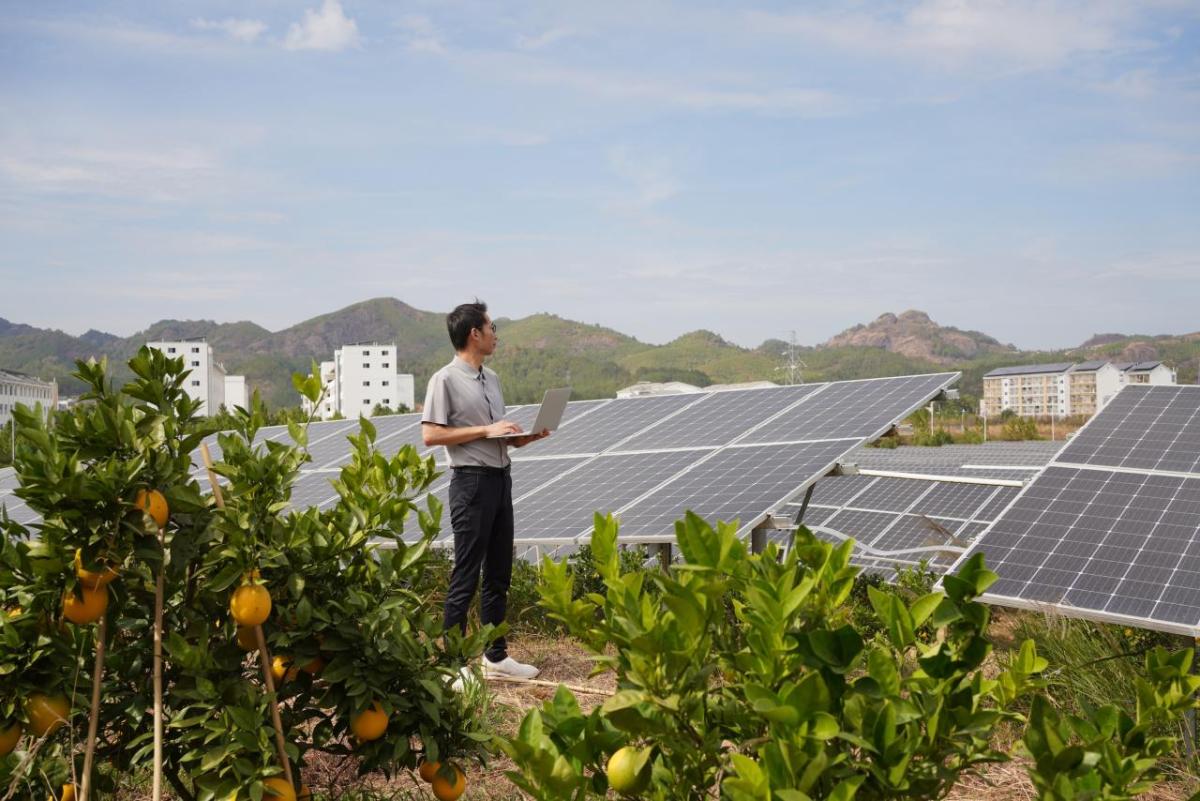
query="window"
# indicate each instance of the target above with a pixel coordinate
(195, 363)
(386, 365)
(195, 350)
(366, 365)
(386, 402)
(366, 401)
(366, 353)
(195, 383)
(386, 383)
(366, 383)
(170, 350)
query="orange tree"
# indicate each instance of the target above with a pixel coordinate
(741, 675)
(343, 613)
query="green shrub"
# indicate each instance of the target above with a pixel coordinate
(783, 699)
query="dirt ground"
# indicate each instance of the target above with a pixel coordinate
(566, 662)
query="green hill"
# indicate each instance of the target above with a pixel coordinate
(545, 350)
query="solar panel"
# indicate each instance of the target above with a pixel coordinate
(1144, 427)
(850, 409)
(721, 417)
(564, 507)
(8, 480)
(740, 482)
(612, 423)
(726, 455)
(895, 495)
(1111, 528)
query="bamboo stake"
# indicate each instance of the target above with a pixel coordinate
(94, 722)
(156, 787)
(264, 656)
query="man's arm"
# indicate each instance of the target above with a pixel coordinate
(521, 442)
(433, 434)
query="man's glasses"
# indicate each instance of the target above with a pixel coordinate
(493, 327)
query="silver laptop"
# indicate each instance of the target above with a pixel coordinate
(549, 415)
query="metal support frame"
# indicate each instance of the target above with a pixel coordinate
(665, 555)
(799, 519)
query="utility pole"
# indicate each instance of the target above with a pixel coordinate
(931, 405)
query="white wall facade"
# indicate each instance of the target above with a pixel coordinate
(235, 392)
(207, 377)
(27, 390)
(1108, 384)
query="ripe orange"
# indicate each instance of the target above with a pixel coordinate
(68, 793)
(14, 612)
(428, 770)
(90, 578)
(370, 724)
(305, 794)
(89, 609)
(9, 738)
(622, 774)
(278, 787)
(280, 670)
(250, 604)
(449, 791)
(314, 667)
(46, 713)
(246, 639)
(154, 504)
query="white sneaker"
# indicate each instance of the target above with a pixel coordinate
(508, 667)
(465, 674)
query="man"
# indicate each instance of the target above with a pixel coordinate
(463, 407)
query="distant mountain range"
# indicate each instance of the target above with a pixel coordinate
(544, 350)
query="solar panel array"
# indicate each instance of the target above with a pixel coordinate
(729, 454)
(928, 504)
(1110, 530)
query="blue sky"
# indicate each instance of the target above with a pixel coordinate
(1029, 169)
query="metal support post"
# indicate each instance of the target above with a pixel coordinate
(808, 493)
(664, 556)
(758, 540)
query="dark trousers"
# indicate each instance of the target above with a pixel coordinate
(481, 515)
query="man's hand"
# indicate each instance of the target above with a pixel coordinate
(501, 428)
(521, 442)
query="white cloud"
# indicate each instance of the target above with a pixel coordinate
(162, 175)
(241, 30)
(650, 177)
(326, 29)
(543, 39)
(1019, 34)
(420, 34)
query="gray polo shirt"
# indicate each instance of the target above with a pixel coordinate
(460, 396)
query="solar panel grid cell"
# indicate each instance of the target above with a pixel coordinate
(721, 417)
(849, 409)
(564, 508)
(735, 483)
(892, 495)
(615, 421)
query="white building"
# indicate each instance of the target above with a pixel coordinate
(1059, 390)
(235, 392)
(25, 389)
(1146, 373)
(207, 379)
(362, 376)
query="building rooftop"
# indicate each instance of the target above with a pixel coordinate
(1136, 367)
(1029, 369)
(1089, 367)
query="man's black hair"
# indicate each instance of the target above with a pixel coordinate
(463, 320)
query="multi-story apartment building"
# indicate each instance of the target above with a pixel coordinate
(362, 376)
(207, 379)
(1063, 389)
(235, 391)
(1091, 386)
(27, 390)
(1030, 390)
